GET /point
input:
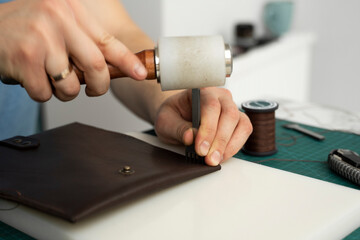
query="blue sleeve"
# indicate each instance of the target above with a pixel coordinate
(19, 114)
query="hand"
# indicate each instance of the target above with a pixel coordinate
(223, 128)
(38, 37)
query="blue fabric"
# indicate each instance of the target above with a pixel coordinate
(19, 114)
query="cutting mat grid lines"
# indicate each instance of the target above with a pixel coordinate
(10, 233)
(306, 156)
(303, 155)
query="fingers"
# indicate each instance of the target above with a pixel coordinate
(32, 75)
(120, 56)
(223, 130)
(115, 52)
(57, 62)
(39, 89)
(57, 31)
(239, 137)
(209, 122)
(228, 121)
(52, 37)
(89, 59)
(171, 126)
(28, 66)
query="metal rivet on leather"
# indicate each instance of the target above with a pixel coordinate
(126, 170)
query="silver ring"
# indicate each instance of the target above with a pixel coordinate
(64, 74)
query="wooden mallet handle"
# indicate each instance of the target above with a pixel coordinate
(145, 56)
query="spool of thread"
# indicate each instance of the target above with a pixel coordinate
(262, 116)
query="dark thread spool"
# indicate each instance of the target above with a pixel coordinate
(262, 116)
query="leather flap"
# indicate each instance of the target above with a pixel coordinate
(78, 170)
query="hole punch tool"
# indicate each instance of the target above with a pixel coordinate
(346, 163)
(190, 152)
(305, 131)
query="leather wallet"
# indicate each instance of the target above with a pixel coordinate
(76, 170)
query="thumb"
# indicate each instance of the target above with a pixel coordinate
(172, 128)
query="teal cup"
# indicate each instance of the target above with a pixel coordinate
(278, 17)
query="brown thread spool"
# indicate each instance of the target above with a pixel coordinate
(262, 116)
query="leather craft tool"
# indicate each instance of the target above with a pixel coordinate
(181, 63)
(346, 163)
(192, 62)
(305, 131)
(190, 152)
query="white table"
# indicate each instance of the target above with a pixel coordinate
(242, 201)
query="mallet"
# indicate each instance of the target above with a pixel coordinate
(181, 63)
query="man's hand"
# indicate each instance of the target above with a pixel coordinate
(38, 37)
(223, 128)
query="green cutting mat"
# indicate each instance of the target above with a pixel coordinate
(304, 155)
(9, 233)
(297, 153)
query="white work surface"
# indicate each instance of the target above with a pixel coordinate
(243, 200)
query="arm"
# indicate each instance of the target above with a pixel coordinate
(224, 129)
(92, 33)
(48, 34)
(143, 98)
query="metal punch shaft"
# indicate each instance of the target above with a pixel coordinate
(190, 152)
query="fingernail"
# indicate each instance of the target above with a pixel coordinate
(215, 158)
(140, 70)
(204, 148)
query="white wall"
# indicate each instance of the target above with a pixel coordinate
(282, 73)
(201, 17)
(147, 14)
(336, 62)
(335, 70)
(189, 17)
(277, 71)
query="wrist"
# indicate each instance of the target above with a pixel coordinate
(159, 101)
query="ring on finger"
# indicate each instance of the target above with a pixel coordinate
(64, 74)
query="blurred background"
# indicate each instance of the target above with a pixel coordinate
(299, 50)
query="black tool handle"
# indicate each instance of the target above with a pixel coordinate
(195, 108)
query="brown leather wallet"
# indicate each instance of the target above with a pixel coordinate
(76, 170)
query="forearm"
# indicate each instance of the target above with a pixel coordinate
(223, 130)
(141, 97)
